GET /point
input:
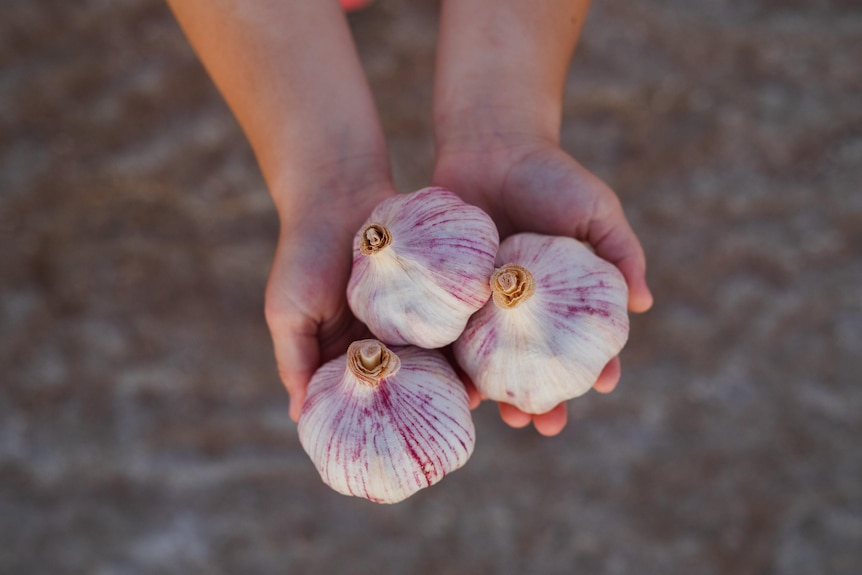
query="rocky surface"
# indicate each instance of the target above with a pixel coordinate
(143, 428)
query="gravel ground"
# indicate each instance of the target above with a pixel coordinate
(143, 428)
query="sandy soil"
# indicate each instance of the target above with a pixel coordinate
(143, 428)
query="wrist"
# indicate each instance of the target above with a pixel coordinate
(501, 69)
(487, 123)
(339, 190)
(481, 158)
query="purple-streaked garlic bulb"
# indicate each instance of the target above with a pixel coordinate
(421, 264)
(383, 426)
(557, 316)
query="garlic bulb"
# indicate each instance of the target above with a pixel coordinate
(421, 265)
(557, 316)
(383, 426)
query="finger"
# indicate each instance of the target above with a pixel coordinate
(473, 395)
(609, 377)
(622, 248)
(640, 296)
(551, 423)
(513, 416)
(296, 356)
(295, 342)
(615, 240)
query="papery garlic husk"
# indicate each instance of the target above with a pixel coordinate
(557, 316)
(421, 264)
(383, 424)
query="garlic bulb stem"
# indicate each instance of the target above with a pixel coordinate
(370, 354)
(512, 285)
(374, 238)
(507, 281)
(371, 361)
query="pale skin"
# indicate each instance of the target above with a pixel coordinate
(289, 71)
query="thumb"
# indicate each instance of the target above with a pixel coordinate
(614, 240)
(297, 356)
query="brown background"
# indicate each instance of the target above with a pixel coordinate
(142, 425)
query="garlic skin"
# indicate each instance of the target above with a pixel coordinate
(421, 264)
(557, 316)
(382, 425)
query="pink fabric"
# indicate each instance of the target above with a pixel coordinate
(352, 5)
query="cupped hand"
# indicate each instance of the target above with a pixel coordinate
(306, 304)
(534, 186)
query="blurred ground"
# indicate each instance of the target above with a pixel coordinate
(142, 425)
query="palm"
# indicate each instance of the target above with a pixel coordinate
(306, 305)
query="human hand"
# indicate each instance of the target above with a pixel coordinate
(306, 304)
(531, 185)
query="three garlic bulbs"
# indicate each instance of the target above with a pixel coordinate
(421, 264)
(534, 320)
(557, 316)
(383, 424)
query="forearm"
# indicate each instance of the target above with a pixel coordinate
(501, 68)
(289, 71)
